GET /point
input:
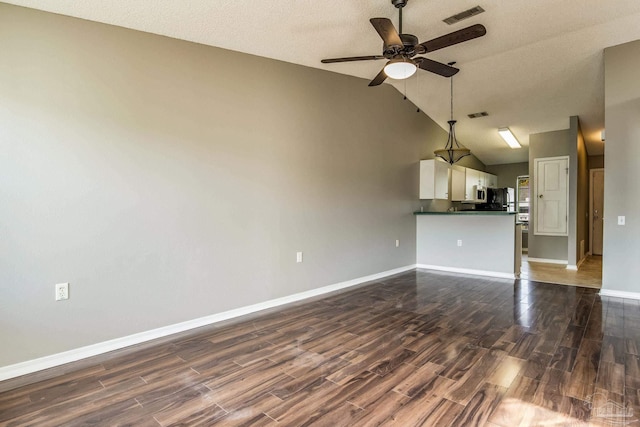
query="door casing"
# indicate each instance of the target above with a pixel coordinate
(592, 206)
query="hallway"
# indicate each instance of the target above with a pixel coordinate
(588, 275)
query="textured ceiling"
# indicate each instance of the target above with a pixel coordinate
(540, 62)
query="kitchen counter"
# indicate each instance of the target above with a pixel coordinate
(466, 213)
(487, 243)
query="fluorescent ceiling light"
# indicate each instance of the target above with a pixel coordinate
(400, 68)
(508, 137)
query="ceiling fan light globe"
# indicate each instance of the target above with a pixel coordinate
(400, 69)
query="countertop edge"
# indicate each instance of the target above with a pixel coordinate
(501, 213)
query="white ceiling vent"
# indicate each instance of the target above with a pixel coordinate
(464, 15)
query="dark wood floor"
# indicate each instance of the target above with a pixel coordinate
(420, 348)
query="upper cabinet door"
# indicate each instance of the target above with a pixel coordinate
(442, 180)
(458, 184)
(434, 179)
(551, 202)
(472, 178)
(491, 180)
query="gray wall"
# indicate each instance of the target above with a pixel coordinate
(582, 195)
(573, 168)
(167, 180)
(578, 188)
(468, 162)
(547, 144)
(508, 173)
(596, 162)
(621, 251)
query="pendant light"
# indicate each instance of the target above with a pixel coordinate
(452, 151)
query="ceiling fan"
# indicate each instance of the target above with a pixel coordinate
(401, 49)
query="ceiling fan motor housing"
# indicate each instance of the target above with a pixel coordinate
(409, 42)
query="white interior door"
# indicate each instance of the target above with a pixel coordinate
(597, 210)
(552, 196)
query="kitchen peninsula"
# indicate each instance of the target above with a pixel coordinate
(487, 243)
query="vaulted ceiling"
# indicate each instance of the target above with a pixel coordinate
(540, 62)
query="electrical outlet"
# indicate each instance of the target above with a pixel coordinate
(62, 291)
(397, 243)
(298, 256)
(459, 242)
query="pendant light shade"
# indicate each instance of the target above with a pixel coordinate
(452, 151)
(400, 68)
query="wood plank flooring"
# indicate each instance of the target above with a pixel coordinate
(588, 275)
(420, 348)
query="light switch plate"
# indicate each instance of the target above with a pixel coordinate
(621, 220)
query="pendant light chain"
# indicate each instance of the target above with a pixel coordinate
(404, 96)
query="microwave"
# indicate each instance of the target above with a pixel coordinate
(479, 194)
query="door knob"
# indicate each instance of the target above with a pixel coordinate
(540, 196)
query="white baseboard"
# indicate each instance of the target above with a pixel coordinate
(577, 266)
(46, 362)
(619, 294)
(468, 271)
(548, 261)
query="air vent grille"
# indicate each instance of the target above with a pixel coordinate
(464, 15)
(476, 115)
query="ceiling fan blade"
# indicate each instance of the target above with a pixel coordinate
(387, 31)
(450, 39)
(378, 79)
(436, 67)
(352, 58)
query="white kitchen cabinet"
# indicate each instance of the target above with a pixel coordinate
(472, 178)
(458, 183)
(490, 180)
(475, 177)
(434, 179)
(482, 179)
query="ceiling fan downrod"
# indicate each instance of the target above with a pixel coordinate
(399, 4)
